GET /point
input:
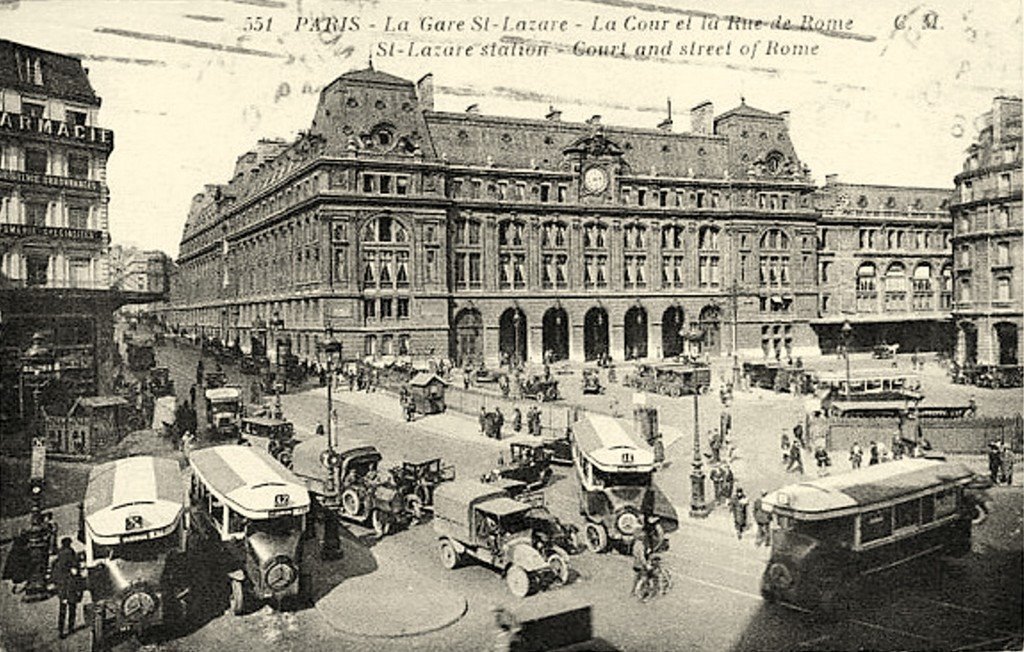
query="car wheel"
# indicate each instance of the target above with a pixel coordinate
(978, 514)
(285, 458)
(237, 598)
(381, 523)
(449, 556)
(351, 502)
(518, 581)
(596, 536)
(558, 561)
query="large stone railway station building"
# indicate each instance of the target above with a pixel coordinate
(410, 231)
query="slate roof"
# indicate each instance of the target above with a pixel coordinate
(854, 197)
(371, 76)
(63, 76)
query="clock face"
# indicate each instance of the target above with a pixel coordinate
(595, 180)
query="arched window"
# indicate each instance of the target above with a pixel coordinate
(707, 237)
(385, 252)
(595, 255)
(554, 247)
(895, 286)
(672, 236)
(922, 284)
(634, 260)
(774, 240)
(866, 278)
(511, 254)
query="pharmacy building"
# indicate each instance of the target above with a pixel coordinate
(410, 231)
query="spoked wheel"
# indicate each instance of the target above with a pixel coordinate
(596, 536)
(558, 561)
(351, 502)
(449, 557)
(381, 523)
(518, 581)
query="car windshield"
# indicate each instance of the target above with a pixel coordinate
(146, 550)
(621, 478)
(277, 527)
(836, 531)
(513, 523)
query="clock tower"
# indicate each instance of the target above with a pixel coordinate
(597, 160)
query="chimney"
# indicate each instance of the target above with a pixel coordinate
(785, 118)
(554, 115)
(702, 118)
(831, 178)
(594, 120)
(666, 124)
(425, 91)
(473, 108)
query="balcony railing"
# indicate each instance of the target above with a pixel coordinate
(53, 232)
(895, 301)
(18, 176)
(922, 301)
(40, 283)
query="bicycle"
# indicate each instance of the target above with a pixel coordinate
(657, 580)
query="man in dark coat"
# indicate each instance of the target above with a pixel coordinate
(994, 461)
(499, 421)
(66, 583)
(716, 481)
(763, 519)
(483, 421)
(873, 456)
(517, 419)
(738, 505)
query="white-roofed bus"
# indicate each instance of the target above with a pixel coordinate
(830, 532)
(135, 529)
(254, 509)
(615, 471)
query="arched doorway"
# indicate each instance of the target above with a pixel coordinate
(512, 335)
(636, 333)
(469, 337)
(1006, 340)
(556, 334)
(595, 333)
(710, 323)
(672, 332)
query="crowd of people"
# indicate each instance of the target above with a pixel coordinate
(492, 422)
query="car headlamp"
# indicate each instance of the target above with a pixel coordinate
(138, 604)
(279, 575)
(628, 523)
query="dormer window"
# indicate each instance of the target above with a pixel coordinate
(30, 69)
(773, 163)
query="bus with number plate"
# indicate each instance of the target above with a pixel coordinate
(614, 470)
(135, 529)
(829, 532)
(253, 509)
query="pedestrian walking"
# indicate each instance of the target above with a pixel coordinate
(897, 447)
(995, 461)
(499, 421)
(199, 372)
(739, 506)
(822, 460)
(725, 423)
(798, 434)
(795, 459)
(716, 481)
(483, 421)
(873, 456)
(728, 481)
(320, 432)
(192, 394)
(517, 420)
(785, 448)
(715, 444)
(1006, 464)
(65, 579)
(856, 455)
(763, 520)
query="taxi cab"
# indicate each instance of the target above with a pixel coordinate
(135, 526)
(253, 509)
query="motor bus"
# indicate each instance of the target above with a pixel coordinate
(614, 469)
(135, 530)
(251, 508)
(829, 532)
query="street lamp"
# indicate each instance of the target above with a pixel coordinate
(37, 359)
(332, 350)
(846, 330)
(698, 505)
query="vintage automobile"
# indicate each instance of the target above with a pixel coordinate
(135, 530)
(831, 532)
(417, 482)
(559, 449)
(998, 376)
(160, 383)
(482, 522)
(280, 436)
(224, 410)
(140, 356)
(251, 511)
(541, 389)
(251, 365)
(550, 533)
(592, 382)
(487, 376)
(528, 462)
(346, 480)
(884, 351)
(214, 379)
(671, 379)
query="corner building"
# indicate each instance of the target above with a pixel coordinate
(414, 231)
(53, 232)
(987, 252)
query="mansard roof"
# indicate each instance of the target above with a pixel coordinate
(371, 76)
(63, 76)
(844, 197)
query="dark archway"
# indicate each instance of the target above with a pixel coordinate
(1006, 340)
(595, 334)
(512, 329)
(710, 322)
(969, 332)
(672, 332)
(468, 344)
(556, 334)
(636, 333)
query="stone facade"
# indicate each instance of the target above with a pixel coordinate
(987, 253)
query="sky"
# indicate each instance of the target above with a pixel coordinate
(891, 93)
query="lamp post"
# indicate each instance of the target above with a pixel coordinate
(274, 325)
(846, 330)
(698, 505)
(39, 359)
(332, 349)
